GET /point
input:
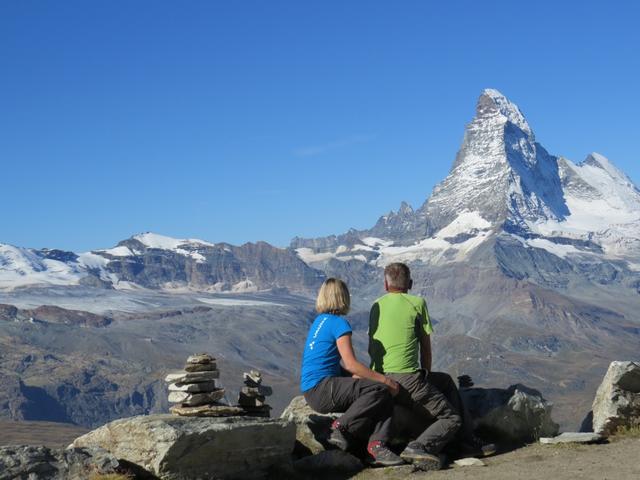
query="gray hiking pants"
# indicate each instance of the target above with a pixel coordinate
(367, 405)
(422, 396)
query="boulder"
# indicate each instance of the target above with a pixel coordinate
(43, 463)
(617, 401)
(181, 448)
(312, 428)
(513, 415)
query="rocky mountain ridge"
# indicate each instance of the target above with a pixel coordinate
(155, 261)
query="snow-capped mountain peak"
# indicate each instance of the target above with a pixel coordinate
(162, 242)
(503, 184)
(494, 103)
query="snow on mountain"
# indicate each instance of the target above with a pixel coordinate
(153, 240)
(188, 247)
(502, 183)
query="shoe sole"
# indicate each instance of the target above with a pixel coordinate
(375, 463)
(423, 462)
(487, 452)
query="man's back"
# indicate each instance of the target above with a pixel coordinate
(396, 322)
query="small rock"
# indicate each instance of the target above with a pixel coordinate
(195, 399)
(253, 378)
(192, 377)
(205, 387)
(469, 462)
(200, 358)
(573, 437)
(257, 391)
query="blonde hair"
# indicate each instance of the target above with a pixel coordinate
(333, 297)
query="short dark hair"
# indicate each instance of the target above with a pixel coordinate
(398, 276)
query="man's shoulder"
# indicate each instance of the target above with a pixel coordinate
(390, 297)
(415, 299)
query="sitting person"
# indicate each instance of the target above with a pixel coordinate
(366, 398)
(400, 347)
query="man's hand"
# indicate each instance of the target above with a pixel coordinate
(393, 386)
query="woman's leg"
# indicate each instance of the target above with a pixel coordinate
(367, 405)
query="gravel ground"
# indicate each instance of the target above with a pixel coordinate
(618, 460)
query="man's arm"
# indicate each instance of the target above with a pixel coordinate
(425, 351)
(376, 351)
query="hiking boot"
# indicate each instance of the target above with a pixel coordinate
(477, 448)
(337, 437)
(381, 456)
(417, 454)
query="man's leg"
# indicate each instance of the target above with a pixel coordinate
(445, 384)
(467, 442)
(447, 420)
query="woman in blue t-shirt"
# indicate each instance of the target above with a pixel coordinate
(365, 397)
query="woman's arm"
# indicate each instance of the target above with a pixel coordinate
(352, 365)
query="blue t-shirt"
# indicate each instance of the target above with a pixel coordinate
(321, 358)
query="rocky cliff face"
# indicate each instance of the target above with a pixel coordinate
(154, 261)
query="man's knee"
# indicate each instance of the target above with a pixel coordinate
(455, 421)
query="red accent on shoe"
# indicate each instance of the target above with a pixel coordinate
(371, 446)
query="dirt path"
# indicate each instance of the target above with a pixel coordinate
(618, 460)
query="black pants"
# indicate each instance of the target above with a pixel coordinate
(367, 405)
(418, 393)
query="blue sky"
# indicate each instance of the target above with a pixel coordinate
(252, 120)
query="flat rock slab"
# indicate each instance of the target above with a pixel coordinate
(573, 437)
(193, 387)
(195, 399)
(200, 367)
(207, 411)
(192, 377)
(469, 462)
(184, 448)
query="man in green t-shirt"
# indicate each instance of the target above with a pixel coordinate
(400, 347)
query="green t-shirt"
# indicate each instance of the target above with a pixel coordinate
(395, 322)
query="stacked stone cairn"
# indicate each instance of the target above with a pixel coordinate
(253, 394)
(195, 391)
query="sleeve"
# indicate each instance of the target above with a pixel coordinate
(426, 321)
(376, 350)
(341, 327)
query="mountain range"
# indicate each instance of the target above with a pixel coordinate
(530, 264)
